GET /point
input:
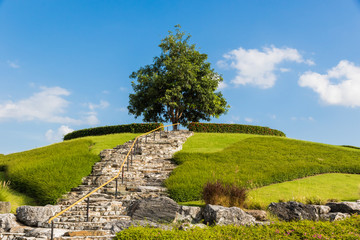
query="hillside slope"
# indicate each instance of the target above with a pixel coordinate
(255, 161)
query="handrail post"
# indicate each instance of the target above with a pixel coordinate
(132, 155)
(122, 177)
(87, 209)
(127, 161)
(116, 187)
(154, 135)
(52, 230)
(146, 138)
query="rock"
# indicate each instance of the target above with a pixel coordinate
(290, 211)
(259, 215)
(5, 207)
(219, 215)
(189, 214)
(160, 209)
(321, 209)
(335, 216)
(36, 216)
(119, 225)
(187, 226)
(45, 233)
(344, 207)
(7, 222)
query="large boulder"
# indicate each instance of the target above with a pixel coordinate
(7, 221)
(344, 207)
(290, 211)
(160, 209)
(36, 216)
(219, 215)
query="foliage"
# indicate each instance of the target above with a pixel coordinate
(345, 229)
(228, 195)
(127, 128)
(255, 162)
(179, 86)
(49, 172)
(233, 128)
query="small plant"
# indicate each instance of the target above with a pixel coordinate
(227, 195)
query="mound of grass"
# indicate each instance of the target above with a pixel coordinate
(46, 173)
(255, 162)
(346, 229)
(320, 188)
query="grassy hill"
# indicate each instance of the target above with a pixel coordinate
(253, 161)
(44, 174)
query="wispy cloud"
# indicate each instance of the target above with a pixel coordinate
(249, 120)
(258, 67)
(13, 64)
(222, 85)
(57, 135)
(345, 91)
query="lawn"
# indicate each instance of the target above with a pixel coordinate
(254, 162)
(42, 175)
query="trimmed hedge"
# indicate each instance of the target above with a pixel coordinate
(127, 128)
(234, 128)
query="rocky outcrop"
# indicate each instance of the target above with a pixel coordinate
(7, 222)
(219, 215)
(290, 211)
(161, 209)
(344, 207)
(36, 216)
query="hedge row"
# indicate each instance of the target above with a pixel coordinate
(234, 128)
(127, 128)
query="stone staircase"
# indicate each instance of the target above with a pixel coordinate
(143, 176)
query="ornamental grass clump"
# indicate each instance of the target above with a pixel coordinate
(227, 195)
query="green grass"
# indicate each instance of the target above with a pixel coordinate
(212, 142)
(346, 229)
(45, 174)
(255, 162)
(335, 186)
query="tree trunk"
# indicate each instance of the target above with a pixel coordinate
(175, 127)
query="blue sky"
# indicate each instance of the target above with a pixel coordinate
(288, 65)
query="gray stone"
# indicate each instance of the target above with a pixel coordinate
(335, 216)
(119, 225)
(290, 211)
(321, 209)
(219, 215)
(344, 207)
(161, 209)
(7, 221)
(45, 232)
(5, 207)
(189, 214)
(259, 215)
(36, 216)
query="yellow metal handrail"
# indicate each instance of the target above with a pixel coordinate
(112, 179)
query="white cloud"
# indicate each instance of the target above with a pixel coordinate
(103, 104)
(57, 136)
(46, 105)
(344, 91)
(258, 67)
(273, 116)
(13, 64)
(222, 85)
(122, 109)
(249, 120)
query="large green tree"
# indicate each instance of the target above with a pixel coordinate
(180, 86)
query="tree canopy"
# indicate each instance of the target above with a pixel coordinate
(180, 86)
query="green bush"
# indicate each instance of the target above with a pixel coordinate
(127, 128)
(346, 229)
(233, 128)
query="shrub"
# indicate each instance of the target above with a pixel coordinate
(127, 128)
(233, 128)
(228, 195)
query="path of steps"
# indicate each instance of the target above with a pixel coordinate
(150, 165)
